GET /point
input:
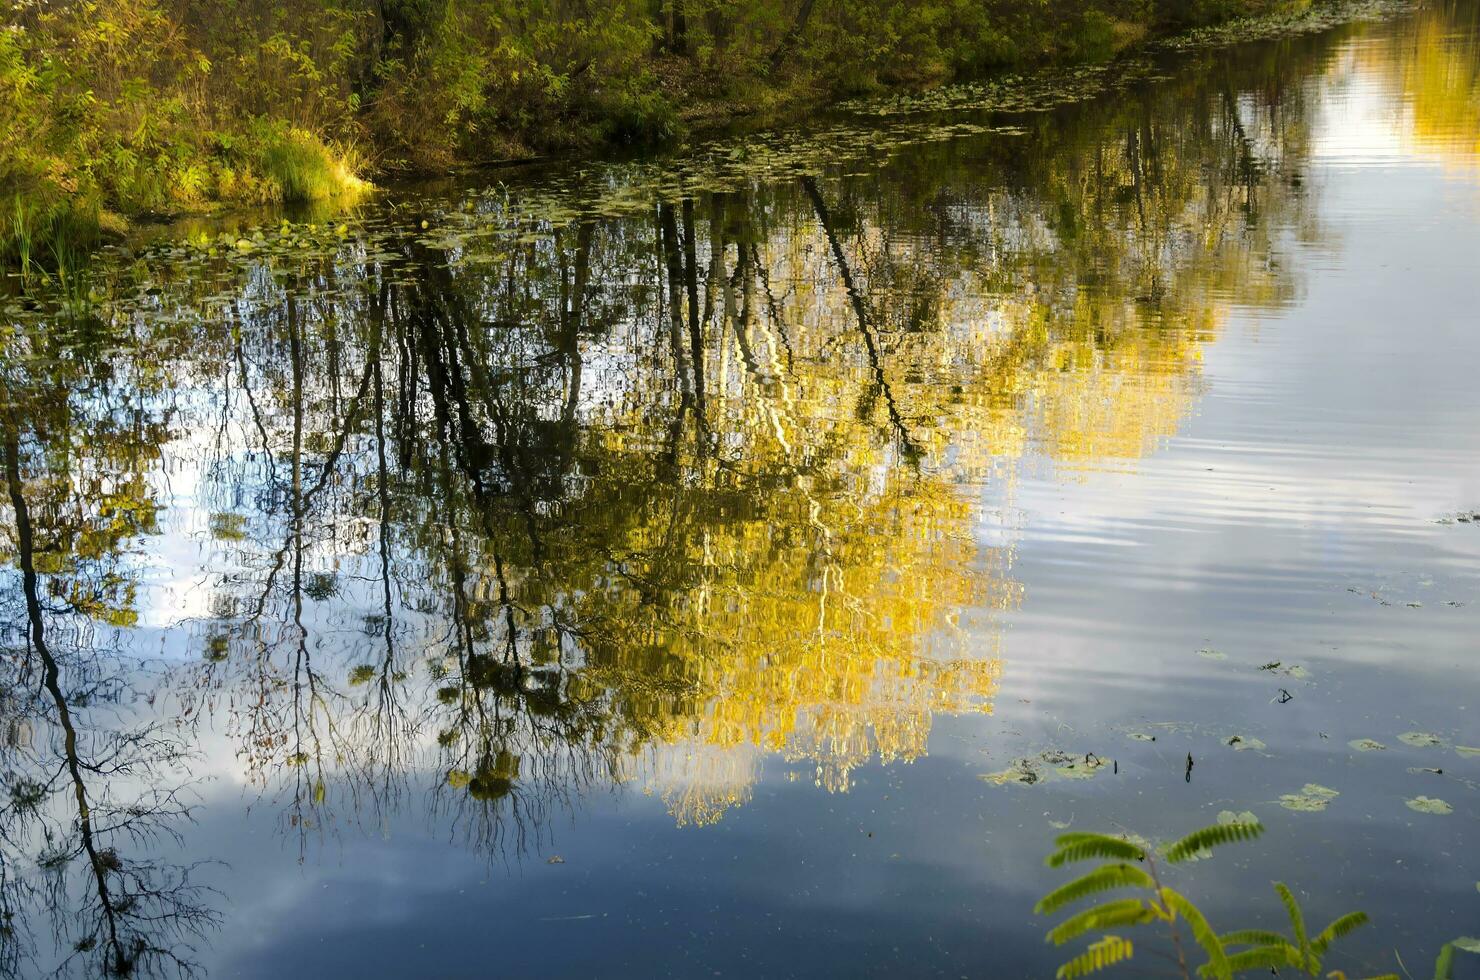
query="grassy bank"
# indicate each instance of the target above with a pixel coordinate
(113, 110)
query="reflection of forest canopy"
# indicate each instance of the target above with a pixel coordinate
(609, 499)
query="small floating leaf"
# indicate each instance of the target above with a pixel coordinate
(1467, 751)
(1312, 798)
(1422, 740)
(1209, 654)
(1229, 817)
(1021, 777)
(1366, 745)
(1143, 737)
(1241, 742)
(1424, 804)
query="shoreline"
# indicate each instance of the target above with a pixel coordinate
(713, 123)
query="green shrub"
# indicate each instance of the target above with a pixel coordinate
(302, 167)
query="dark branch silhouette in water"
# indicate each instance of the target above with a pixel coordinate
(865, 328)
(134, 917)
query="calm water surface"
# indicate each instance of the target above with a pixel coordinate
(737, 565)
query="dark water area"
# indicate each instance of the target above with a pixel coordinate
(745, 564)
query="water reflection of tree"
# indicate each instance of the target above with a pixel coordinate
(89, 796)
(642, 502)
(649, 497)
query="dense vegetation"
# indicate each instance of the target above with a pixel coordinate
(148, 107)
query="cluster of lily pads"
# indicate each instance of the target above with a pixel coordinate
(1055, 764)
(1307, 20)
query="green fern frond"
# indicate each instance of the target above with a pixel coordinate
(1084, 847)
(1211, 837)
(1346, 924)
(1252, 937)
(1101, 879)
(1297, 924)
(1217, 965)
(1263, 958)
(1444, 965)
(1106, 952)
(1122, 912)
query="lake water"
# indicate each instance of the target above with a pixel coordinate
(746, 563)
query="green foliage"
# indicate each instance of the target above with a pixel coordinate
(302, 167)
(157, 107)
(1226, 955)
(1444, 963)
(1103, 878)
(1087, 847)
(1210, 837)
(1110, 915)
(1099, 955)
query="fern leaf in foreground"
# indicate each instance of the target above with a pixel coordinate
(1252, 937)
(1271, 957)
(1106, 952)
(1217, 965)
(1346, 924)
(1085, 847)
(1211, 837)
(1101, 879)
(1123, 912)
(1297, 922)
(1444, 964)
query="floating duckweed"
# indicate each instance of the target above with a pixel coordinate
(1208, 653)
(1367, 745)
(1421, 740)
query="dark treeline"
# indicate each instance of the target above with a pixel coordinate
(115, 108)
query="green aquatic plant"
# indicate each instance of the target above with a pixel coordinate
(1227, 954)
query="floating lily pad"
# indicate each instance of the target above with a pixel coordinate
(1366, 745)
(1228, 816)
(1012, 774)
(1424, 804)
(1241, 742)
(1422, 740)
(1312, 798)
(1048, 765)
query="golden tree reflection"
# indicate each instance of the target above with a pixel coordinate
(539, 497)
